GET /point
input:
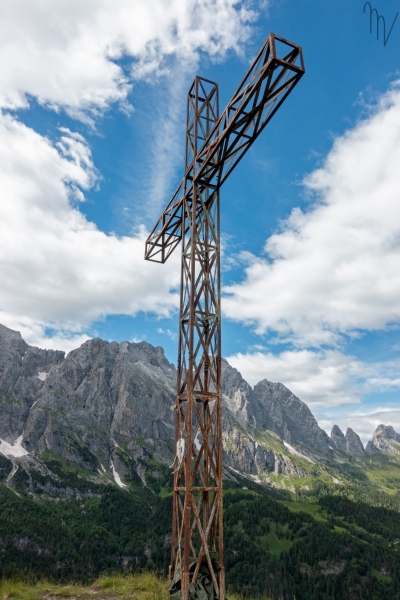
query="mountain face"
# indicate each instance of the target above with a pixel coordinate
(349, 443)
(105, 408)
(88, 405)
(22, 369)
(272, 406)
(354, 445)
(384, 440)
(338, 439)
(265, 427)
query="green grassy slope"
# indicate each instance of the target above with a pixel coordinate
(373, 479)
(321, 547)
(141, 586)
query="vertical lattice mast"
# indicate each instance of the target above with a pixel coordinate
(214, 146)
(197, 509)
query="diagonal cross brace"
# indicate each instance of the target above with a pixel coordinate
(268, 82)
(214, 146)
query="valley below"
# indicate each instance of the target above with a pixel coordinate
(86, 444)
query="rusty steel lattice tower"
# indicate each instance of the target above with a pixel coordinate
(214, 146)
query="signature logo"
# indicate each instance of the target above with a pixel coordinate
(379, 19)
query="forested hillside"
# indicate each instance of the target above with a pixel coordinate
(317, 549)
(86, 444)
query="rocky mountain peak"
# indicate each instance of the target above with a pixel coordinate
(23, 369)
(387, 431)
(272, 406)
(354, 445)
(236, 392)
(106, 407)
(338, 439)
(276, 408)
(385, 439)
(10, 334)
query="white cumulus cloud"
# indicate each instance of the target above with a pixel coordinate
(59, 272)
(319, 378)
(68, 53)
(363, 422)
(57, 269)
(334, 270)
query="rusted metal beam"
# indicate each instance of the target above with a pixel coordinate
(214, 146)
(265, 87)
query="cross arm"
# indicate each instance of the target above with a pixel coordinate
(167, 233)
(274, 73)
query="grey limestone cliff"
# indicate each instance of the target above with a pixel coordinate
(276, 408)
(106, 402)
(23, 369)
(354, 445)
(338, 439)
(267, 428)
(106, 407)
(271, 406)
(385, 440)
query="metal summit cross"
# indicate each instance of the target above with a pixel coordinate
(214, 146)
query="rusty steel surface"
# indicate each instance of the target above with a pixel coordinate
(266, 85)
(214, 146)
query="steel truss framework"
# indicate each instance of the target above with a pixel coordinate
(214, 146)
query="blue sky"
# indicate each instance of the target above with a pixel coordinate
(92, 116)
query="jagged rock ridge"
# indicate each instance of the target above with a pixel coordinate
(106, 407)
(385, 440)
(354, 445)
(106, 402)
(338, 439)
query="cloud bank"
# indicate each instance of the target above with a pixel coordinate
(327, 378)
(333, 271)
(58, 270)
(82, 56)
(57, 267)
(363, 422)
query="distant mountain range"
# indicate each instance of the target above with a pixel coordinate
(104, 410)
